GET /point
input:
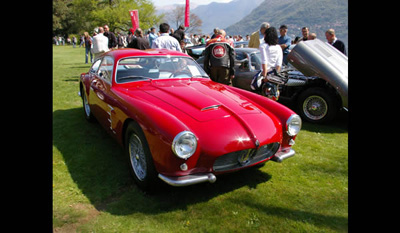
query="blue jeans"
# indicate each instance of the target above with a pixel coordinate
(87, 55)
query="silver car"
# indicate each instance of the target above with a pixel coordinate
(315, 80)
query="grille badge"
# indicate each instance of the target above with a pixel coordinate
(245, 158)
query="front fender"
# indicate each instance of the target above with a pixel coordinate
(160, 128)
(281, 112)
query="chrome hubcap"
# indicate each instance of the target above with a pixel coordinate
(137, 157)
(315, 107)
(86, 105)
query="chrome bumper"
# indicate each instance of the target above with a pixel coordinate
(282, 155)
(188, 180)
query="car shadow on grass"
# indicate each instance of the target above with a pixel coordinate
(95, 162)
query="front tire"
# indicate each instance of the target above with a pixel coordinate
(140, 160)
(317, 105)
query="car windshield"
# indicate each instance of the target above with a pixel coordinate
(143, 68)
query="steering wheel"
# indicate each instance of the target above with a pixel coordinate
(181, 72)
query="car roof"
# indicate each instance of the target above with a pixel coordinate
(129, 52)
(247, 50)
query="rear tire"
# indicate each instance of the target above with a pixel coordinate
(86, 108)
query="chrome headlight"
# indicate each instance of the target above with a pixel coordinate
(184, 144)
(293, 125)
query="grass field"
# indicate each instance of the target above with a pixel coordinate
(93, 190)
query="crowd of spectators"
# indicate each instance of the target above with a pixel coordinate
(144, 40)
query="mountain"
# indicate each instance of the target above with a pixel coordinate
(317, 15)
(223, 14)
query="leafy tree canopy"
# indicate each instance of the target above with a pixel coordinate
(77, 16)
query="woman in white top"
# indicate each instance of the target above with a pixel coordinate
(271, 52)
(271, 59)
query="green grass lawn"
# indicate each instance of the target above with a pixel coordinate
(93, 190)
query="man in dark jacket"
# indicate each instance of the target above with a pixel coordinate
(180, 33)
(332, 40)
(219, 59)
(112, 39)
(139, 42)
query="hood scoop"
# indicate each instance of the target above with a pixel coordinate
(212, 107)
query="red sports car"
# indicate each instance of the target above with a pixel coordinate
(176, 124)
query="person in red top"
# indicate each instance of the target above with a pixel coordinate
(219, 59)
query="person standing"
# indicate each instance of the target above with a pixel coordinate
(179, 34)
(112, 39)
(139, 42)
(165, 41)
(216, 30)
(305, 32)
(271, 60)
(100, 43)
(74, 41)
(257, 37)
(152, 35)
(219, 59)
(284, 41)
(88, 45)
(82, 41)
(332, 40)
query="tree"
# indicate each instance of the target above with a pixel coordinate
(77, 16)
(61, 15)
(177, 17)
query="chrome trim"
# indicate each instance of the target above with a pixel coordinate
(211, 107)
(289, 120)
(179, 181)
(177, 137)
(282, 155)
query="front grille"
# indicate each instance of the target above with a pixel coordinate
(244, 158)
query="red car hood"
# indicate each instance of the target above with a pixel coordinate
(204, 101)
(212, 103)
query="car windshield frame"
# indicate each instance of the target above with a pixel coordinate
(140, 68)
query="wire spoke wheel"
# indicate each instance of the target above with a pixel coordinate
(137, 157)
(315, 107)
(86, 105)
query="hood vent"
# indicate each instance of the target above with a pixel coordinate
(212, 107)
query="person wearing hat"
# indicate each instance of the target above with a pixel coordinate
(284, 41)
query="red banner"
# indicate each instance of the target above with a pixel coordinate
(187, 12)
(135, 19)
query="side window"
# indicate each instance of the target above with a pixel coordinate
(255, 62)
(106, 69)
(95, 67)
(241, 62)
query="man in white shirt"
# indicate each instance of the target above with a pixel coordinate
(165, 41)
(100, 44)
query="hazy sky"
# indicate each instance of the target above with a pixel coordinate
(199, 2)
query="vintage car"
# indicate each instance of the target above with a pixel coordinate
(176, 124)
(317, 97)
